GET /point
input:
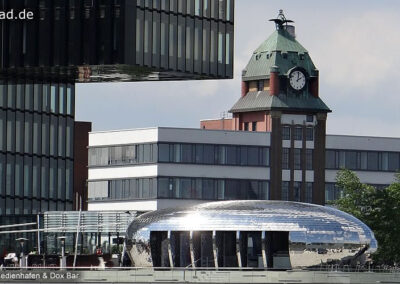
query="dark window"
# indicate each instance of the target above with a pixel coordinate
(285, 158)
(261, 85)
(297, 159)
(264, 160)
(309, 192)
(309, 134)
(208, 189)
(393, 162)
(254, 126)
(310, 118)
(309, 159)
(232, 155)
(246, 126)
(286, 132)
(297, 191)
(221, 155)
(209, 154)
(163, 152)
(285, 190)
(252, 156)
(332, 192)
(298, 133)
(351, 160)
(373, 161)
(187, 151)
(331, 159)
(244, 156)
(199, 157)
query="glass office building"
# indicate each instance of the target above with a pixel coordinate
(121, 40)
(70, 41)
(36, 150)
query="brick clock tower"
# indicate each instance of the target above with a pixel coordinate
(280, 95)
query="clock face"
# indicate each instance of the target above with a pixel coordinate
(297, 80)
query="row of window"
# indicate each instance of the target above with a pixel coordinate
(246, 126)
(47, 98)
(297, 158)
(208, 154)
(178, 188)
(213, 154)
(332, 192)
(215, 9)
(297, 133)
(34, 177)
(177, 42)
(294, 194)
(123, 155)
(36, 134)
(16, 206)
(363, 160)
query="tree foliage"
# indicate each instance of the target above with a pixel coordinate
(378, 208)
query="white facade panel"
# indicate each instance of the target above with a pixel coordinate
(132, 205)
(228, 172)
(298, 144)
(365, 177)
(285, 175)
(310, 144)
(298, 175)
(362, 143)
(286, 144)
(309, 176)
(122, 172)
(186, 135)
(122, 137)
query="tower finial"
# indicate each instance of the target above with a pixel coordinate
(281, 20)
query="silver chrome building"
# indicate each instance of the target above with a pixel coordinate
(261, 234)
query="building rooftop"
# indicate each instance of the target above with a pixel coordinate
(258, 101)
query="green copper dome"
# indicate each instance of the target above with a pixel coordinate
(283, 41)
(282, 50)
(282, 53)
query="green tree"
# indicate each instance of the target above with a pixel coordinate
(378, 208)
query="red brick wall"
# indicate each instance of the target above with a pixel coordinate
(258, 116)
(245, 88)
(217, 124)
(274, 84)
(81, 143)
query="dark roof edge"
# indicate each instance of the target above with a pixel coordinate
(281, 108)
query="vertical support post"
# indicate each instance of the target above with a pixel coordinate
(215, 252)
(171, 260)
(238, 254)
(77, 234)
(263, 253)
(193, 261)
(38, 233)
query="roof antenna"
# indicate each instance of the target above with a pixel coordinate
(281, 20)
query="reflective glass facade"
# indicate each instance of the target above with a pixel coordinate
(205, 154)
(178, 188)
(121, 40)
(36, 147)
(194, 36)
(363, 160)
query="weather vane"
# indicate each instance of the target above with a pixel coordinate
(281, 20)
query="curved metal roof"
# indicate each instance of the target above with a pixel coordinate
(315, 223)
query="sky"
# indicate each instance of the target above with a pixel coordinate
(354, 44)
